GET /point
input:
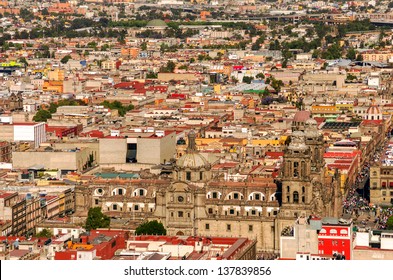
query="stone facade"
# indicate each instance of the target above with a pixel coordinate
(192, 202)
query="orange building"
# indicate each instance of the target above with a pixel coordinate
(61, 8)
(53, 86)
(130, 52)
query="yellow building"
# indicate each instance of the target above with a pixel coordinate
(56, 75)
(344, 107)
(324, 109)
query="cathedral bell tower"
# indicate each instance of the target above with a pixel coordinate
(296, 178)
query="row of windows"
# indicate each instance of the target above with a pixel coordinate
(229, 227)
(251, 212)
(334, 231)
(180, 214)
(121, 191)
(384, 193)
(295, 198)
(116, 207)
(236, 195)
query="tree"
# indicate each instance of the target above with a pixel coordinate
(65, 59)
(351, 54)
(169, 68)
(45, 233)
(389, 223)
(260, 76)
(42, 116)
(151, 75)
(152, 227)
(144, 46)
(116, 105)
(96, 219)
(247, 79)
(359, 57)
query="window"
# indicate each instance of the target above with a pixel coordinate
(207, 226)
(253, 212)
(257, 196)
(303, 199)
(288, 189)
(188, 176)
(295, 169)
(295, 197)
(180, 214)
(136, 207)
(201, 176)
(210, 210)
(303, 189)
(231, 211)
(120, 191)
(96, 201)
(141, 192)
(114, 206)
(228, 227)
(250, 228)
(235, 196)
(214, 195)
(172, 214)
(288, 198)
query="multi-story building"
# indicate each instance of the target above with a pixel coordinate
(25, 215)
(193, 202)
(5, 151)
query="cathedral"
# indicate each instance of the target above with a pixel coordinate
(193, 201)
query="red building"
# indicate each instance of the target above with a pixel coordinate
(335, 238)
(100, 244)
(63, 131)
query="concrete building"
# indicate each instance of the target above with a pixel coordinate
(30, 132)
(50, 158)
(373, 245)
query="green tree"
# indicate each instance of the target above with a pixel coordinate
(260, 76)
(96, 219)
(351, 54)
(116, 105)
(151, 75)
(45, 233)
(42, 116)
(24, 61)
(247, 79)
(65, 59)
(169, 67)
(359, 57)
(152, 227)
(389, 223)
(144, 46)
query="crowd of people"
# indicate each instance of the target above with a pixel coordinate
(354, 203)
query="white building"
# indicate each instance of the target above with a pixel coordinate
(32, 132)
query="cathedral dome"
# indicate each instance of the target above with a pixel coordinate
(192, 160)
(311, 129)
(373, 110)
(297, 141)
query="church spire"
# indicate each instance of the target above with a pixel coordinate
(191, 141)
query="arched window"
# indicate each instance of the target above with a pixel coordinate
(295, 197)
(343, 232)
